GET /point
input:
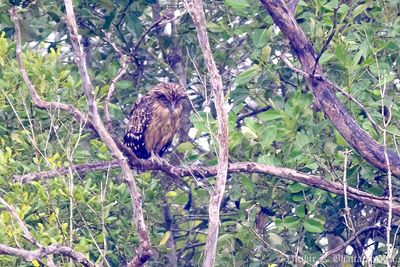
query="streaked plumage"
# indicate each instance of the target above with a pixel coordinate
(154, 120)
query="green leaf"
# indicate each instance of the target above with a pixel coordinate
(124, 84)
(245, 76)
(248, 133)
(185, 147)
(247, 184)
(297, 187)
(301, 211)
(268, 136)
(260, 37)
(270, 115)
(312, 225)
(214, 27)
(171, 194)
(291, 222)
(238, 5)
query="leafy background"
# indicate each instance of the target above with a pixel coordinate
(92, 212)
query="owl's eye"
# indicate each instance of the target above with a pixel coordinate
(163, 99)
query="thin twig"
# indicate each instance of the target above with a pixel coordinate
(122, 70)
(37, 101)
(333, 32)
(252, 113)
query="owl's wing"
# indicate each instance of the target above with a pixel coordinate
(138, 122)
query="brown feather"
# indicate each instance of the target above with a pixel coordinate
(154, 120)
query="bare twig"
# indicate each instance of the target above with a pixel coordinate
(21, 224)
(122, 70)
(252, 113)
(144, 251)
(292, 6)
(196, 11)
(327, 42)
(24, 228)
(42, 252)
(386, 122)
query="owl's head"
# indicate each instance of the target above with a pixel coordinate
(169, 95)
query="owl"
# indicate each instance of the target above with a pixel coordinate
(154, 120)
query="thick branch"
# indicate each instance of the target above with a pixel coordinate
(144, 251)
(324, 91)
(45, 251)
(196, 11)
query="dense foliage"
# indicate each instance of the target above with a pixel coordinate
(261, 215)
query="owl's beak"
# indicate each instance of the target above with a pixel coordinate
(171, 107)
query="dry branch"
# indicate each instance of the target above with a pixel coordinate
(40, 253)
(80, 169)
(144, 251)
(36, 99)
(324, 91)
(196, 11)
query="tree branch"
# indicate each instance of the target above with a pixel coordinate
(324, 91)
(31, 255)
(37, 101)
(252, 113)
(196, 11)
(80, 169)
(238, 167)
(144, 251)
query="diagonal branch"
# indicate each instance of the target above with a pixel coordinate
(144, 251)
(196, 11)
(36, 99)
(21, 224)
(324, 92)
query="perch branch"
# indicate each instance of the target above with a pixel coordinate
(238, 167)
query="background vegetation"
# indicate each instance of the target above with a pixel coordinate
(273, 120)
